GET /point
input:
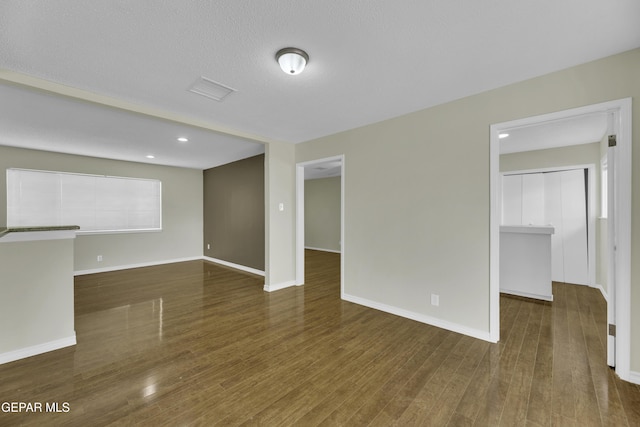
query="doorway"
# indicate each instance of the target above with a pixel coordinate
(619, 213)
(321, 168)
(565, 198)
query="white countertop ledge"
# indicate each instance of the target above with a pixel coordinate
(32, 236)
(528, 229)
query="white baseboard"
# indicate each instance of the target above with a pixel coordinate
(33, 350)
(450, 326)
(169, 261)
(526, 294)
(634, 377)
(323, 250)
(602, 291)
(278, 286)
(128, 266)
(233, 265)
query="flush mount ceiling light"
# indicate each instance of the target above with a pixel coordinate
(503, 135)
(183, 139)
(292, 60)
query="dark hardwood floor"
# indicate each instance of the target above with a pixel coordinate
(198, 344)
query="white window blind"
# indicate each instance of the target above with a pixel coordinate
(96, 203)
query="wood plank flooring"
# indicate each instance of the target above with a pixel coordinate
(199, 344)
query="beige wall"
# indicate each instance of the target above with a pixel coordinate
(322, 213)
(36, 304)
(234, 212)
(181, 236)
(426, 230)
(553, 157)
(280, 185)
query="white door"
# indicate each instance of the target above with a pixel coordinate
(553, 216)
(533, 199)
(574, 227)
(511, 200)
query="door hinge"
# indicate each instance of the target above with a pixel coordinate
(612, 141)
(612, 330)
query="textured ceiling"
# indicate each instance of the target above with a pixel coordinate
(369, 60)
(44, 121)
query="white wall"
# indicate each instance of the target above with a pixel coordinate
(182, 206)
(322, 213)
(427, 229)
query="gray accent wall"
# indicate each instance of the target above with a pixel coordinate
(234, 218)
(322, 214)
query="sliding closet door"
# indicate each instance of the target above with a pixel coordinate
(574, 225)
(566, 210)
(553, 216)
(533, 199)
(511, 200)
(523, 199)
(559, 199)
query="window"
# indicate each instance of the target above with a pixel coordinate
(96, 203)
(604, 189)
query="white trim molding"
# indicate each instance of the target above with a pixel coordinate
(278, 286)
(128, 266)
(634, 377)
(235, 266)
(602, 291)
(527, 295)
(422, 318)
(34, 350)
(322, 250)
(171, 261)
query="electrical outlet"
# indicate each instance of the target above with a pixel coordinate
(99, 258)
(435, 300)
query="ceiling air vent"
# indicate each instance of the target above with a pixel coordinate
(210, 89)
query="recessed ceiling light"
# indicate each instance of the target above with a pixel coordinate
(503, 135)
(183, 139)
(150, 156)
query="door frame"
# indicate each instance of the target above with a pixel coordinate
(300, 217)
(621, 304)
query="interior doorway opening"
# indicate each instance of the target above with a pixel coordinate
(564, 197)
(619, 218)
(331, 167)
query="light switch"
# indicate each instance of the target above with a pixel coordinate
(281, 207)
(435, 300)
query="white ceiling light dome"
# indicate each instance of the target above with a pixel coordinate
(292, 60)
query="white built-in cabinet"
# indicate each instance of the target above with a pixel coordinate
(557, 198)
